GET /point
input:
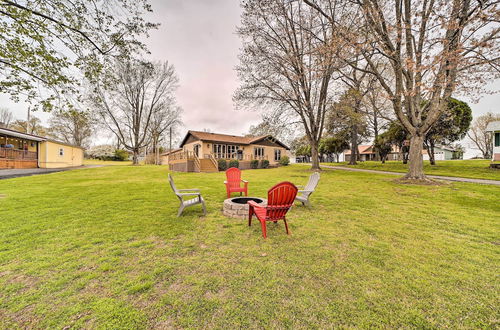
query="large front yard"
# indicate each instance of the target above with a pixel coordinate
(102, 247)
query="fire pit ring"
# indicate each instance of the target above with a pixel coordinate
(237, 207)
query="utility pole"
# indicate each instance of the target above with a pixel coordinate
(28, 121)
(170, 145)
(170, 138)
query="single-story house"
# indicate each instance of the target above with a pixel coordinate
(494, 129)
(440, 153)
(367, 152)
(22, 150)
(200, 151)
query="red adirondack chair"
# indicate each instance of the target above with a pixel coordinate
(233, 183)
(279, 200)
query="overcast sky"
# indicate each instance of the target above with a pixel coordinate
(198, 38)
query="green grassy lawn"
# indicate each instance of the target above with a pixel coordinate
(471, 168)
(102, 248)
(106, 162)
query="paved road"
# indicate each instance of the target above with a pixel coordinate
(15, 173)
(439, 177)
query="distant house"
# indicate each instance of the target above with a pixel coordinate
(21, 150)
(367, 152)
(494, 129)
(440, 153)
(200, 151)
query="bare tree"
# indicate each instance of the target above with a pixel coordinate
(477, 133)
(285, 64)
(432, 47)
(72, 126)
(352, 101)
(162, 121)
(128, 100)
(34, 126)
(377, 106)
(283, 128)
(6, 117)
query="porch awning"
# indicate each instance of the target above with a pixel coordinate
(9, 132)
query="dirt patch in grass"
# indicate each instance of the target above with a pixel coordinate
(420, 182)
(3, 196)
(24, 318)
(25, 282)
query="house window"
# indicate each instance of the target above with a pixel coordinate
(497, 139)
(231, 150)
(219, 150)
(277, 154)
(61, 152)
(227, 151)
(258, 152)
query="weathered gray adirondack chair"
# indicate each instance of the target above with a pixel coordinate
(305, 192)
(181, 193)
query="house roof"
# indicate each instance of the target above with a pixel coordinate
(32, 137)
(493, 126)
(367, 149)
(216, 137)
(171, 151)
(64, 143)
(22, 135)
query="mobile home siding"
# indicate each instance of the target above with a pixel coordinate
(54, 155)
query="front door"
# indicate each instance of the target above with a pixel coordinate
(197, 150)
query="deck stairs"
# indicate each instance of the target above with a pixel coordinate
(208, 166)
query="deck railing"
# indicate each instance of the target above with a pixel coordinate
(16, 154)
(197, 164)
(180, 155)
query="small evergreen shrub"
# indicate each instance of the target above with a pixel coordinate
(284, 161)
(254, 163)
(222, 164)
(234, 163)
(121, 154)
(264, 163)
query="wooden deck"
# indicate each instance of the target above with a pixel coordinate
(13, 158)
(16, 163)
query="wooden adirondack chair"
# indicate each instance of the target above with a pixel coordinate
(181, 193)
(233, 182)
(305, 193)
(279, 200)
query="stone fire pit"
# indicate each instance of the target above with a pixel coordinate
(237, 207)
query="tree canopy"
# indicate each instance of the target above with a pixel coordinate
(49, 45)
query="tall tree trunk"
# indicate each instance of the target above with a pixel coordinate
(404, 154)
(375, 124)
(354, 145)
(429, 146)
(135, 157)
(314, 156)
(416, 167)
(431, 155)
